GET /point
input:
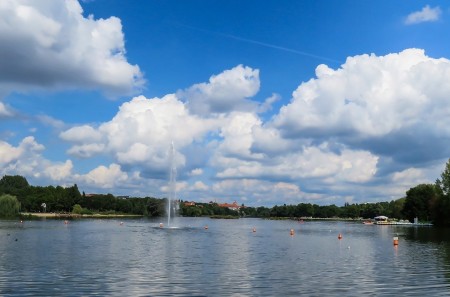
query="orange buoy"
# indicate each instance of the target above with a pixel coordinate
(396, 240)
(340, 236)
(292, 232)
(254, 229)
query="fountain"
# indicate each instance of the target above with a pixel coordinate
(172, 185)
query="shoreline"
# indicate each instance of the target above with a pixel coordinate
(52, 215)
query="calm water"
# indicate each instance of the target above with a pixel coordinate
(105, 258)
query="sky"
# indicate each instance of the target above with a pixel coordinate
(265, 103)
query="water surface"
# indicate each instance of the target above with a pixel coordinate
(137, 258)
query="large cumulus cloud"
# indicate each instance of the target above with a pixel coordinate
(51, 45)
(140, 134)
(226, 92)
(393, 105)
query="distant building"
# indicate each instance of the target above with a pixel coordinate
(232, 206)
(191, 203)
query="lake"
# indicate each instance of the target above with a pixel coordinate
(95, 257)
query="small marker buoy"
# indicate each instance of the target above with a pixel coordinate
(292, 232)
(395, 239)
(340, 236)
(254, 230)
(161, 225)
(121, 223)
(206, 227)
(66, 222)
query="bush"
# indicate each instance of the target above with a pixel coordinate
(77, 209)
(9, 206)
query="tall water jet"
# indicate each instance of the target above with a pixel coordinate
(172, 183)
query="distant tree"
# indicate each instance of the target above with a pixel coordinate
(444, 182)
(77, 209)
(350, 211)
(14, 185)
(420, 201)
(442, 206)
(396, 207)
(9, 206)
(304, 210)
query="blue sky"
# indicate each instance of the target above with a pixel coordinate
(266, 103)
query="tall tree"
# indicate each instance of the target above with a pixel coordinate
(9, 206)
(420, 201)
(14, 185)
(443, 205)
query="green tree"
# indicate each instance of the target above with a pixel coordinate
(442, 206)
(77, 209)
(397, 208)
(9, 206)
(420, 201)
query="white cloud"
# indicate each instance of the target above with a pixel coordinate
(49, 44)
(8, 153)
(224, 93)
(196, 172)
(59, 171)
(26, 160)
(237, 135)
(267, 105)
(81, 134)
(86, 150)
(306, 163)
(141, 132)
(199, 186)
(105, 177)
(375, 102)
(4, 111)
(427, 14)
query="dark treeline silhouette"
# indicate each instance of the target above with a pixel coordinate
(302, 210)
(60, 199)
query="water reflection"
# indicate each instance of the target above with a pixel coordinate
(137, 258)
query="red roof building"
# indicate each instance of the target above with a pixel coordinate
(232, 206)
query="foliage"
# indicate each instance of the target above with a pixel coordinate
(226, 217)
(9, 206)
(77, 209)
(60, 199)
(420, 201)
(302, 210)
(442, 205)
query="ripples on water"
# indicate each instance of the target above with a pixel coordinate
(105, 258)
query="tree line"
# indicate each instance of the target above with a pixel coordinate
(67, 199)
(301, 210)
